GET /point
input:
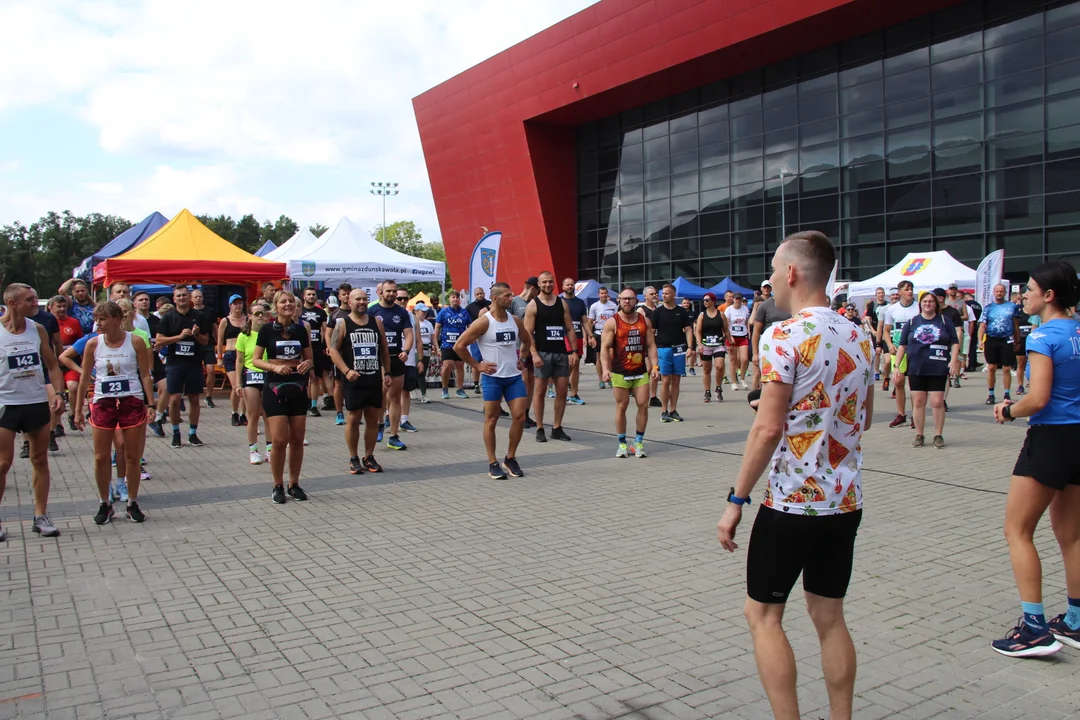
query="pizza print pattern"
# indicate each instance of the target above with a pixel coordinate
(816, 469)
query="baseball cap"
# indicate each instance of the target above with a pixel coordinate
(940, 292)
(851, 306)
(954, 286)
(766, 283)
(420, 306)
(532, 281)
(234, 297)
(894, 291)
(333, 301)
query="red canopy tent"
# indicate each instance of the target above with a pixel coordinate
(186, 251)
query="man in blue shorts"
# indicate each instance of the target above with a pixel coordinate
(497, 332)
(674, 336)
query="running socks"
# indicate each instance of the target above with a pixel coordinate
(1007, 395)
(175, 429)
(159, 417)
(1072, 618)
(1034, 616)
(404, 419)
(190, 431)
(622, 439)
(640, 437)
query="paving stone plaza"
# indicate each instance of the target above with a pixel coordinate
(593, 588)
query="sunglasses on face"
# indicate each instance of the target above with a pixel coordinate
(258, 313)
(401, 299)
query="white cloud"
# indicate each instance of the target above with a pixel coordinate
(238, 88)
(104, 188)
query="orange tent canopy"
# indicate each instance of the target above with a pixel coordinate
(183, 251)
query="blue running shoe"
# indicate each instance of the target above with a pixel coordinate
(156, 429)
(394, 443)
(1025, 641)
(378, 438)
(496, 472)
(340, 419)
(408, 427)
(122, 489)
(575, 400)
(461, 395)
(445, 394)
(1064, 633)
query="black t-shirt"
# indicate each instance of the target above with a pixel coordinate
(877, 313)
(953, 314)
(315, 318)
(173, 323)
(276, 346)
(430, 313)
(577, 311)
(335, 316)
(474, 308)
(47, 320)
(670, 325)
(396, 320)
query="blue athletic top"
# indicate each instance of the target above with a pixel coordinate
(999, 319)
(1060, 341)
(452, 324)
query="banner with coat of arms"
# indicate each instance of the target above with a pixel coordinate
(484, 264)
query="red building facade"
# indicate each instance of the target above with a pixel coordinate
(500, 140)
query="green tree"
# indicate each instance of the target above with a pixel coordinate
(44, 254)
(318, 229)
(406, 238)
(247, 235)
(278, 232)
(223, 226)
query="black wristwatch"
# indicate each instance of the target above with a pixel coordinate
(733, 498)
(1006, 412)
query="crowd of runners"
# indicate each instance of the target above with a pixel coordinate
(126, 370)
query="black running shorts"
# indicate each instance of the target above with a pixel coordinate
(358, 397)
(449, 355)
(412, 378)
(26, 418)
(397, 367)
(1042, 456)
(999, 352)
(826, 550)
(926, 383)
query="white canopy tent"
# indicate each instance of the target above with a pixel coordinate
(298, 243)
(346, 253)
(925, 270)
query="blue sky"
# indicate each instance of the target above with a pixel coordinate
(233, 107)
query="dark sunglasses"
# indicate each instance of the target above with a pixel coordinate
(402, 299)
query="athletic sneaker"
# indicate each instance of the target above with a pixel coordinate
(639, 449)
(44, 526)
(744, 385)
(71, 423)
(540, 436)
(266, 458)
(193, 440)
(314, 411)
(496, 472)
(1019, 391)
(692, 371)
(990, 400)
(461, 394)
(918, 441)
(134, 513)
(575, 400)
(476, 389)
(665, 417)
(609, 385)
(355, 466)
(939, 442)
(877, 376)
(898, 421)
(734, 386)
(53, 447)
(379, 437)
(445, 394)
(209, 402)
(122, 489)
(603, 385)
(676, 417)
(415, 395)
(708, 396)
(114, 494)
(340, 419)
(424, 400)
(176, 440)
(503, 413)
(297, 493)
(1064, 633)
(551, 392)
(371, 466)
(408, 427)
(394, 443)
(156, 429)
(557, 433)
(144, 474)
(113, 460)
(183, 405)
(622, 451)
(279, 495)
(719, 393)
(1025, 641)
(104, 514)
(254, 458)
(885, 384)
(235, 420)
(513, 468)
(306, 443)
(655, 402)
(59, 429)
(328, 403)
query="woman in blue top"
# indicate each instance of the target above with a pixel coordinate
(1047, 473)
(930, 343)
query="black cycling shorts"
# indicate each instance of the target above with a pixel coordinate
(825, 553)
(449, 355)
(1042, 457)
(926, 383)
(999, 352)
(412, 378)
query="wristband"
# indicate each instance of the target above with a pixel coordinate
(735, 499)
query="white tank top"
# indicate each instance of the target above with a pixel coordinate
(22, 380)
(498, 345)
(116, 370)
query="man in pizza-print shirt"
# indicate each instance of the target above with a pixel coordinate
(816, 402)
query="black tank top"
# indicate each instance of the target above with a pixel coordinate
(550, 329)
(232, 331)
(712, 329)
(361, 349)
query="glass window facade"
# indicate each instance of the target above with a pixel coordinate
(958, 131)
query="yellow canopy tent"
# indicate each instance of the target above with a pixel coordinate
(419, 297)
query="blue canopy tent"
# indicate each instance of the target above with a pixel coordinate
(121, 244)
(267, 247)
(728, 284)
(686, 289)
(587, 290)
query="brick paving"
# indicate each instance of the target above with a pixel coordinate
(592, 588)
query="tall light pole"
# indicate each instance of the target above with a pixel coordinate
(384, 189)
(784, 172)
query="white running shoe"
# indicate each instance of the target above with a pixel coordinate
(254, 458)
(267, 457)
(306, 443)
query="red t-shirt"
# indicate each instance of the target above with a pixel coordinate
(70, 330)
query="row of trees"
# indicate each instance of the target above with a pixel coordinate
(43, 253)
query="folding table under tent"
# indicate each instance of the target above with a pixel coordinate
(925, 270)
(345, 253)
(121, 244)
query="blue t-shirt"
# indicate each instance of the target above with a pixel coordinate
(578, 310)
(84, 314)
(396, 320)
(80, 344)
(928, 345)
(1060, 341)
(999, 319)
(452, 324)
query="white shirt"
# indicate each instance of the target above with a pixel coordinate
(896, 316)
(498, 345)
(738, 320)
(600, 313)
(22, 381)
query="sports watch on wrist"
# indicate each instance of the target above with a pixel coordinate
(733, 498)
(1006, 413)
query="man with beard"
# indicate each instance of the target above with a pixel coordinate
(547, 319)
(81, 304)
(479, 303)
(577, 309)
(599, 313)
(210, 352)
(398, 326)
(339, 308)
(183, 334)
(316, 319)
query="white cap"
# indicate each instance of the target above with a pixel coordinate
(333, 301)
(765, 283)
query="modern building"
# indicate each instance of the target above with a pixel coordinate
(640, 140)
